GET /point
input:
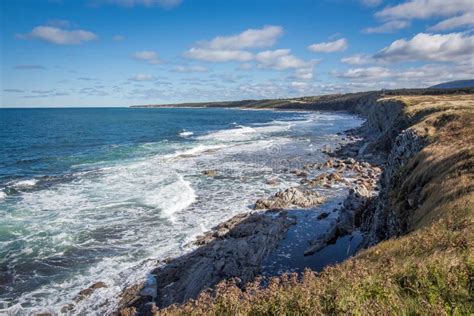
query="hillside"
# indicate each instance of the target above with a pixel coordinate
(421, 226)
(455, 84)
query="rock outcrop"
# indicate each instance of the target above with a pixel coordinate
(291, 197)
(234, 249)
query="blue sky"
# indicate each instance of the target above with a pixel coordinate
(63, 53)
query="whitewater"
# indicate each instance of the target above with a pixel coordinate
(103, 209)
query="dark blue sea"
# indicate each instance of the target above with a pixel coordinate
(89, 195)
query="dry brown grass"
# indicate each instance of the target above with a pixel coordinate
(429, 271)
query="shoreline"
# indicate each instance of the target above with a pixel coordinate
(223, 252)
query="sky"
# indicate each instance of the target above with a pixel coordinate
(74, 53)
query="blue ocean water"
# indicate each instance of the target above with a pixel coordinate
(90, 195)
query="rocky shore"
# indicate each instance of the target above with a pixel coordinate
(397, 170)
(236, 249)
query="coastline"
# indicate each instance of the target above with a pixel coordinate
(238, 248)
(387, 138)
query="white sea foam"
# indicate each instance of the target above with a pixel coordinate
(246, 133)
(173, 197)
(185, 134)
(25, 184)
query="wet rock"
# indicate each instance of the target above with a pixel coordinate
(290, 197)
(299, 173)
(322, 241)
(239, 253)
(88, 292)
(323, 215)
(350, 161)
(272, 181)
(210, 173)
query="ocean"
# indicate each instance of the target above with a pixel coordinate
(102, 194)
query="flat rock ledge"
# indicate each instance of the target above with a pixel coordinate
(234, 250)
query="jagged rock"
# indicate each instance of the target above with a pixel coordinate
(88, 292)
(290, 197)
(238, 254)
(299, 173)
(350, 161)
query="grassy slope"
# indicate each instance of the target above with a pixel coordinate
(430, 270)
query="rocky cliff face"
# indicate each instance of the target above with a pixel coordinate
(385, 132)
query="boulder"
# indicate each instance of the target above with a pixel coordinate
(290, 197)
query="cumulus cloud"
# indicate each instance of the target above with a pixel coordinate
(329, 47)
(424, 9)
(453, 47)
(454, 22)
(459, 13)
(388, 27)
(282, 59)
(148, 56)
(142, 77)
(279, 59)
(234, 47)
(59, 36)
(218, 55)
(251, 38)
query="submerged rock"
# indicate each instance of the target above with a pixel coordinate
(210, 173)
(272, 181)
(290, 197)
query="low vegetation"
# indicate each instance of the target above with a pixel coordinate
(427, 271)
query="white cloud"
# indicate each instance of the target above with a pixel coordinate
(329, 47)
(413, 77)
(213, 55)
(358, 59)
(149, 56)
(388, 27)
(234, 47)
(142, 77)
(251, 38)
(466, 19)
(370, 72)
(282, 59)
(279, 59)
(59, 36)
(424, 9)
(454, 47)
(189, 69)
(146, 3)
